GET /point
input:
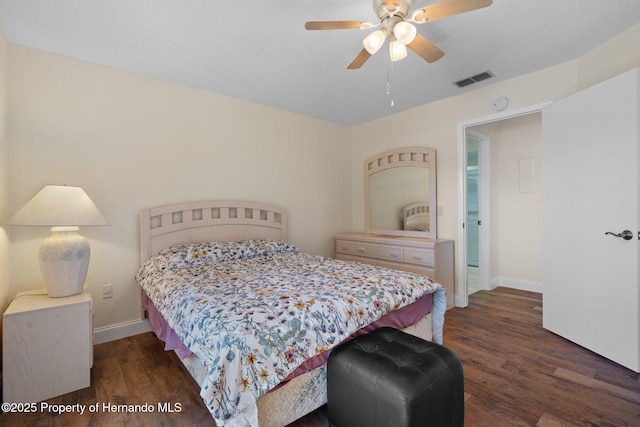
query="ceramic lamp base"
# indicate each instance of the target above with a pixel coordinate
(64, 261)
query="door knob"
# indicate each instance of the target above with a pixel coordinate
(626, 234)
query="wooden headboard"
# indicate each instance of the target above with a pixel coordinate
(211, 220)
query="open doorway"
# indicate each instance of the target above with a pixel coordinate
(486, 216)
(478, 185)
(473, 219)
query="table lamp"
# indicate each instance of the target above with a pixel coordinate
(64, 256)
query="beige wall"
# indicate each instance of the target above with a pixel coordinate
(435, 124)
(133, 142)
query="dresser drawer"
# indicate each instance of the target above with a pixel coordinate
(361, 260)
(392, 253)
(345, 247)
(429, 272)
(423, 257)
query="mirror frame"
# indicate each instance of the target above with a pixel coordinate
(422, 157)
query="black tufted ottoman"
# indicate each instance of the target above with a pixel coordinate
(392, 379)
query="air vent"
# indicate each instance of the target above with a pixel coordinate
(474, 79)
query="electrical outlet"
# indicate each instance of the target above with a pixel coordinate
(107, 291)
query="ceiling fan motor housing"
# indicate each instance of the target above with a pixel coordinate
(391, 12)
(386, 8)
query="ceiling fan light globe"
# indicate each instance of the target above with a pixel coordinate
(404, 32)
(397, 50)
(373, 42)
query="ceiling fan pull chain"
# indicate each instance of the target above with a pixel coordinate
(389, 81)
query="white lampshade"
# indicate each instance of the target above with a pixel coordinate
(373, 42)
(397, 50)
(405, 32)
(64, 256)
(59, 205)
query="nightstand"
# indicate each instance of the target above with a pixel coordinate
(47, 346)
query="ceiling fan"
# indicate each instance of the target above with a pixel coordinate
(397, 24)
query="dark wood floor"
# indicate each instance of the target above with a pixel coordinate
(516, 374)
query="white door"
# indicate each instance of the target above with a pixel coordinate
(590, 187)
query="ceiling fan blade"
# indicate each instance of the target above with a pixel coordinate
(449, 8)
(427, 50)
(359, 60)
(332, 25)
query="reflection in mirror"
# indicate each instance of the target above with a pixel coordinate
(390, 191)
(400, 193)
(416, 216)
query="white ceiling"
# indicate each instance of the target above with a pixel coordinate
(259, 51)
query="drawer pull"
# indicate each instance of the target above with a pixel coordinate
(361, 250)
(417, 258)
(344, 248)
(393, 255)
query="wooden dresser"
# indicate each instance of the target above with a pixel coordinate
(431, 257)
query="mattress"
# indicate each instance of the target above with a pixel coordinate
(304, 393)
(254, 311)
(400, 319)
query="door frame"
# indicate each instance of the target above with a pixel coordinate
(461, 293)
(484, 206)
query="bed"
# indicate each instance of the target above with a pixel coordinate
(263, 364)
(416, 216)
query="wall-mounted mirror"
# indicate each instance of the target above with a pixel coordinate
(400, 193)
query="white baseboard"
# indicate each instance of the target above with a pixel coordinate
(120, 330)
(514, 283)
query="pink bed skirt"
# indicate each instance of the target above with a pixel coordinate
(399, 319)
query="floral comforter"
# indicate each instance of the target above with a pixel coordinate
(253, 311)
